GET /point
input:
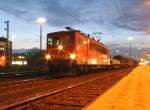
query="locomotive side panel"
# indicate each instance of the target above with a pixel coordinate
(91, 52)
(81, 49)
(98, 54)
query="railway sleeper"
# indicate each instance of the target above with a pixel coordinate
(63, 103)
(69, 99)
(41, 106)
(67, 102)
(57, 107)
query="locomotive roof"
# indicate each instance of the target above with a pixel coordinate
(61, 32)
(86, 35)
(93, 40)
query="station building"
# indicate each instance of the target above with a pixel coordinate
(5, 52)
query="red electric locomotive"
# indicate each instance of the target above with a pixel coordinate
(76, 51)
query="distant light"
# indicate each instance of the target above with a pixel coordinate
(143, 62)
(19, 62)
(141, 59)
(25, 63)
(41, 20)
(130, 38)
(146, 62)
(19, 57)
(13, 63)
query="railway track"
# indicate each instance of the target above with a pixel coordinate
(73, 97)
(18, 85)
(6, 76)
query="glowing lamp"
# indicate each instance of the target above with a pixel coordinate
(130, 38)
(41, 20)
(72, 56)
(93, 61)
(48, 57)
(60, 47)
(3, 57)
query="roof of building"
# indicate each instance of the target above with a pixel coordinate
(4, 39)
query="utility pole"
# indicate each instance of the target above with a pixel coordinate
(7, 29)
(7, 45)
(130, 41)
(130, 50)
(40, 38)
(41, 21)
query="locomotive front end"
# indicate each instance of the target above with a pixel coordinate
(60, 51)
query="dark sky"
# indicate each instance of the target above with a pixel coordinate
(116, 19)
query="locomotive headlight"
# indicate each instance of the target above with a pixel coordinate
(3, 57)
(48, 57)
(60, 47)
(93, 61)
(72, 56)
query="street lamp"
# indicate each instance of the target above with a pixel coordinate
(130, 40)
(41, 21)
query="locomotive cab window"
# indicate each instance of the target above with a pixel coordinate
(53, 41)
(64, 39)
(49, 40)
